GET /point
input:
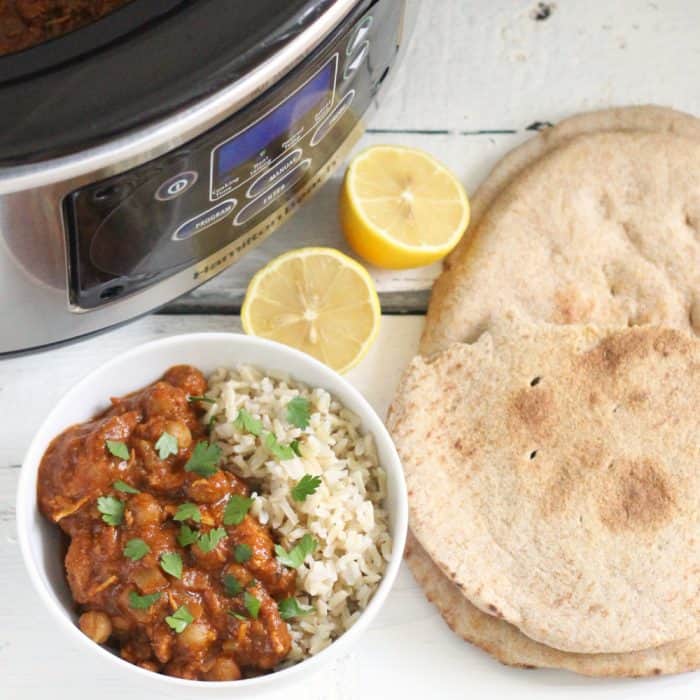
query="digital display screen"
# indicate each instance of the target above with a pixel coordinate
(248, 144)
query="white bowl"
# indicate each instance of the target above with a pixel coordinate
(40, 540)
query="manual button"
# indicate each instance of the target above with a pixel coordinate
(282, 186)
(274, 174)
(204, 220)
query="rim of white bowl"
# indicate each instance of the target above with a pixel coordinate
(26, 493)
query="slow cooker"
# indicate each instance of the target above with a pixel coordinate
(147, 150)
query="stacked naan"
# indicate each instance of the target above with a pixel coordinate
(550, 429)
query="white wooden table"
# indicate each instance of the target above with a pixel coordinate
(479, 78)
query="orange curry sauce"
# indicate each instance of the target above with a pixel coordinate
(218, 619)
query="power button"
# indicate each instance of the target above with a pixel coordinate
(176, 185)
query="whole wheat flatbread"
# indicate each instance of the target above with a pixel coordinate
(553, 475)
(512, 647)
(596, 220)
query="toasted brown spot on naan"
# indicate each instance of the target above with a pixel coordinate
(639, 497)
(532, 407)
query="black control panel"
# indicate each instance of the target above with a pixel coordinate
(139, 227)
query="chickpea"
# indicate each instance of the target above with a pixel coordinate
(186, 378)
(224, 669)
(180, 432)
(96, 625)
(146, 510)
(197, 636)
(164, 400)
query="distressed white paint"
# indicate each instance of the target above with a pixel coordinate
(479, 65)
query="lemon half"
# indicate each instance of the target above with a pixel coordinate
(316, 300)
(400, 208)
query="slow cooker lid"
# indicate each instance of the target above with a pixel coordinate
(135, 66)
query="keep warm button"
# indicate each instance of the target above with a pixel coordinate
(204, 220)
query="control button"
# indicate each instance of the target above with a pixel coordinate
(275, 172)
(332, 119)
(252, 209)
(207, 218)
(355, 63)
(360, 35)
(177, 185)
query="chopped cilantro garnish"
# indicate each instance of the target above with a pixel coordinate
(171, 563)
(204, 460)
(166, 445)
(118, 448)
(242, 552)
(290, 607)
(187, 536)
(205, 399)
(141, 602)
(236, 509)
(295, 557)
(298, 412)
(252, 604)
(136, 549)
(294, 444)
(232, 585)
(124, 487)
(208, 540)
(180, 619)
(282, 452)
(306, 487)
(244, 421)
(112, 510)
(188, 511)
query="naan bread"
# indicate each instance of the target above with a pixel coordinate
(580, 225)
(553, 475)
(510, 646)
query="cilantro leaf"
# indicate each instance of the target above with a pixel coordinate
(238, 616)
(166, 445)
(282, 452)
(141, 602)
(242, 552)
(118, 448)
(204, 460)
(180, 619)
(236, 509)
(252, 605)
(204, 399)
(244, 421)
(299, 412)
(295, 557)
(171, 563)
(188, 511)
(208, 540)
(187, 536)
(290, 607)
(294, 444)
(136, 549)
(112, 510)
(306, 487)
(232, 585)
(124, 487)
